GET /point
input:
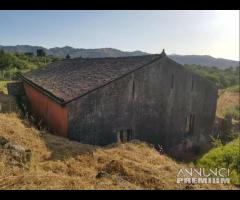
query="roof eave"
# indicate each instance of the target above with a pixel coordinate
(60, 101)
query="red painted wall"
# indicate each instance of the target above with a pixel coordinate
(53, 114)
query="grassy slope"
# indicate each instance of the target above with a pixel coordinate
(228, 155)
(58, 163)
(11, 64)
(3, 86)
(228, 102)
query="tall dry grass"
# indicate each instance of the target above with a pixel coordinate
(58, 163)
(228, 100)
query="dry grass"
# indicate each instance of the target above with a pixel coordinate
(3, 86)
(58, 163)
(227, 99)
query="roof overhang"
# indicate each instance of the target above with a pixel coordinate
(42, 90)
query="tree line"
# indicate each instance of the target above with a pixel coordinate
(12, 63)
(223, 78)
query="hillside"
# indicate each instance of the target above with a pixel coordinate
(58, 163)
(228, 102)
(13, 63)
(222, 78)
(204, 60)
(224, 156)
(73, 52)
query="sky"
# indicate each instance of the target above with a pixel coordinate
(210, 32)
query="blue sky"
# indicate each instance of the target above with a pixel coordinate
(213, 33)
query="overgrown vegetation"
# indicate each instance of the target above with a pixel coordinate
(11, 64)
(224, 156)
(226, 146)
(58, 163)
(222, 78)
(3, 86)
(228, 103)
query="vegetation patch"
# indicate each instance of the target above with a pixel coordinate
(13, 63)
(222, 78)
(122, 166)
(228, 102)
(3, 86)
(224, 156)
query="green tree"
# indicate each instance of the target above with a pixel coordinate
(41, 53)
(29, 54)
(224, 83)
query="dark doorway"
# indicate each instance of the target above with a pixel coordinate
(190, 123)
(129, 135)
(172, 81)
(125, 135)
(121, 136)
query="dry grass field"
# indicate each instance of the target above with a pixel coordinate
(58, 163)
(228, 102)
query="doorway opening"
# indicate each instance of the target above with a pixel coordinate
(190, 121)
(124, 135)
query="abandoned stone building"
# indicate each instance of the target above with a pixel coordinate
(105, 100)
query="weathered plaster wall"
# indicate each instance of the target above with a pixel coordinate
(144, 102)
(47, 110)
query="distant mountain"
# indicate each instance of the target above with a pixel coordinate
(204, 60)
(73, 52)
(110, 52)
(21, 48)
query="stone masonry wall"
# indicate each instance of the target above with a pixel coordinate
(154, 102)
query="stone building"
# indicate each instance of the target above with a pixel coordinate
(7, 103)
(105, 100)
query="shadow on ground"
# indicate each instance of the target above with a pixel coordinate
(63, 148)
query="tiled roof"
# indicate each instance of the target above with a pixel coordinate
(71, 78)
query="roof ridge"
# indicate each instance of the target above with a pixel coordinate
(101, 58)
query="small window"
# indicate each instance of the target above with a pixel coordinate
(190, 123)
(129, 135)
(124, 135)
(192, 86)
(121, 136)
(133, 90)
(172, 81)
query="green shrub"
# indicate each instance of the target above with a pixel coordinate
(221, 78)
(216, 142)
(11, 64)
(233, 111)
(235, 88)
(224, 156)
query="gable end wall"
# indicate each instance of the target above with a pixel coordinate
(47, 110)
(155, 112)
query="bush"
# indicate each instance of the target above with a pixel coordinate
(223, 156)
(22, 62)
(216, 142)
(235, 88)
(233, 112)
(221, 78)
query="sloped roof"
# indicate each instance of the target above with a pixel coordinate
(71, 78)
